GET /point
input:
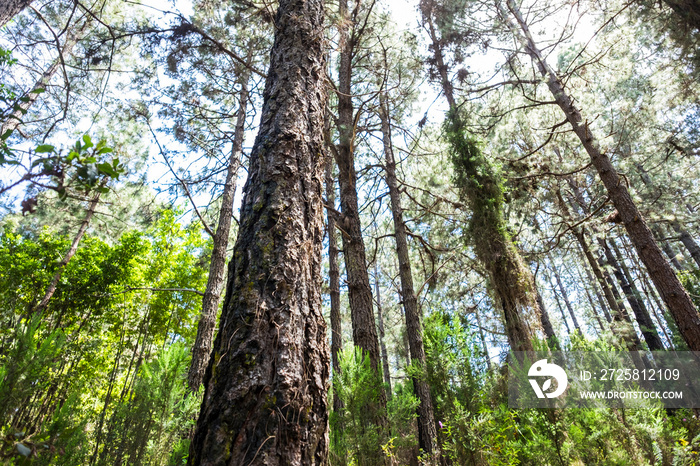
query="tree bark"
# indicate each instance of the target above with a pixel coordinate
(380, 326)
(427, 431)
(201, 348)
(512, 282)
(334, 280)
(565, 296)
(688, 242)
(11, 8)
(547, 324)
(634, 298)
(364, 332)
(665, 280)
(265, 400)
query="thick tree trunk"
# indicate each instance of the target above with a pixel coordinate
(333, 280)
(660, 271)
(634, 298)
(427, 432)
(364, 332)
(11, 8)
(217, 266)
(265, 400)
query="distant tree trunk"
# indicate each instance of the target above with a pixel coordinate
(666, 247)
(601, 302)
(51, 289)
(11, 8)
(688, 242)
(547, 324)
(201, 348)
(334, 280)
(364, 332)
(265, 399)
(634, 297)
(565, 297)
(559, 306)
(482, 337)
(427, 432)
(665, 280)
(380, 326)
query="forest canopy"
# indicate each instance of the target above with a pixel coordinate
(308, 232)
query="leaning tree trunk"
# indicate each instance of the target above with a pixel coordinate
(688, 242)
(670, 288)
(51, 289)
(512, 282)
(641, 313)
(265, 400)
(427, 432)
(201, 348)
(11, 8)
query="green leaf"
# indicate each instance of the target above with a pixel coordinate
(44, 149)
(105, 150)
(87, 141)
(38, 90)
(6, 135)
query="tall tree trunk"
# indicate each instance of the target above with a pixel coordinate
(665, 280)
(565, 297)
(334, 280)
(634, 298)
(265, 399)
(380, 326)
(559, 306)
(547, 324)
(364, 332)
(601, 302)
(201, 348)
(11, 8)
(512, 282)
(427, 432)
(51, 289)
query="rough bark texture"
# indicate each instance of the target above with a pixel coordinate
(10, 8)
(265, 401)
(646, 325)
(201, 348)
(427, 432)
(660, 271)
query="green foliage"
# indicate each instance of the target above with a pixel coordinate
(359, 388)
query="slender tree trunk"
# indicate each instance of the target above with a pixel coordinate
(667, 248)
(634, 297)
(427, 431)
(601, 302)
(380, 326)
(559, 306)
(48, 294)
(364, 331)
(665, 280)
(565, 297)
(547, 324)
(334, 280)
(265, 400)
(10, 8)
(483, 338)
(201, 348)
